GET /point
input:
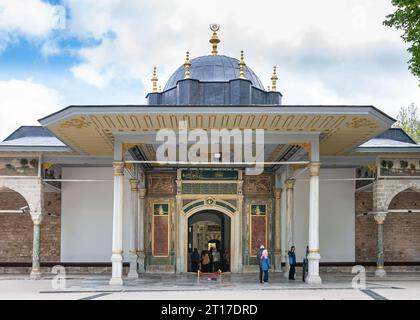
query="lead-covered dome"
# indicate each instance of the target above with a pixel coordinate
(214, 68)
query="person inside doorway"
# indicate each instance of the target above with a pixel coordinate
(211, 259)
(205, 261)
(265, 265)
(292, 263)
(195, 260)
(259, 255)
(216, 260)
(226, 261)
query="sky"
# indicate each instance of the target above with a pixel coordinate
(77, 52)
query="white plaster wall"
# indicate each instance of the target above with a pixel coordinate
(337, 218)
(86, 221)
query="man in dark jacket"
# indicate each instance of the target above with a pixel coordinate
(292, 263)
(305, 265)
(259, 255)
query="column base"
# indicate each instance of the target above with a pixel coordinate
(313, 269)
(380, 272)
(132, 272)
(277, 262)
(140, 262)
(35, 274)
(116, 281)
(313, 279)
(117, 269)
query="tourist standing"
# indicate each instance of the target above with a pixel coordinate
(259, 255)
(205, 261)
(216, 260)
(305, 265)
(292, 263)
(265, 265)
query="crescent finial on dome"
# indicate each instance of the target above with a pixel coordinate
(214, 40)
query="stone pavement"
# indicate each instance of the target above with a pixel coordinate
(231, 286)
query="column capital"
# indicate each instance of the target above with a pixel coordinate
(277, 193)
(290, 183)
(118, 168)
(314, 168)
(142, 193)
(380, 217)
(134, 183)
(36, 217)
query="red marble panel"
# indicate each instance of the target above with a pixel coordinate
(258, 233)
(160, 236)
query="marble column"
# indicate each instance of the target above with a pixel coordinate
(314, 253)
(290, 185)
(141, 223)
(117, 225)
(380, 219)
(134, 184)
(36, 245)
(277, 231)
(180, 221)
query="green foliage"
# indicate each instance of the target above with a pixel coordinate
(409, 120)
(407, 19)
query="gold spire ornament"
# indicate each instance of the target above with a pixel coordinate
(242, 66)
(187, 66)
(154, 80)
(214, 40)
(274, 79)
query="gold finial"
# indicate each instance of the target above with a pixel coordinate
(274, 80)
(160, 88)
(214, 40)
(154, 80)
(242, 66)
(187, 66)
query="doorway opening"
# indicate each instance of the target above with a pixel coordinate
(209, 233)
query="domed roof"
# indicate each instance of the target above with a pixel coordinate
(214, 68)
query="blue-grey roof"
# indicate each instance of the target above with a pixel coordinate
(392, 140)
(31, 136)
(218, 68)
(397, 134)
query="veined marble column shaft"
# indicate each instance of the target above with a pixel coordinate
(132, 273)
(277, 231)
(36, 245)
(141, 221)
(117, 225)
(290, 185)
(314, 253)
(380, 219)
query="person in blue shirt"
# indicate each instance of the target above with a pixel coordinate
(292, 262)
(265, 264)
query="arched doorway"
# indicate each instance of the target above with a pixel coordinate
(401, 227)
(210, 230)
(15, 227)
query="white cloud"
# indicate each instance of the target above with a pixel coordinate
(32, 19)
(23, 102)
